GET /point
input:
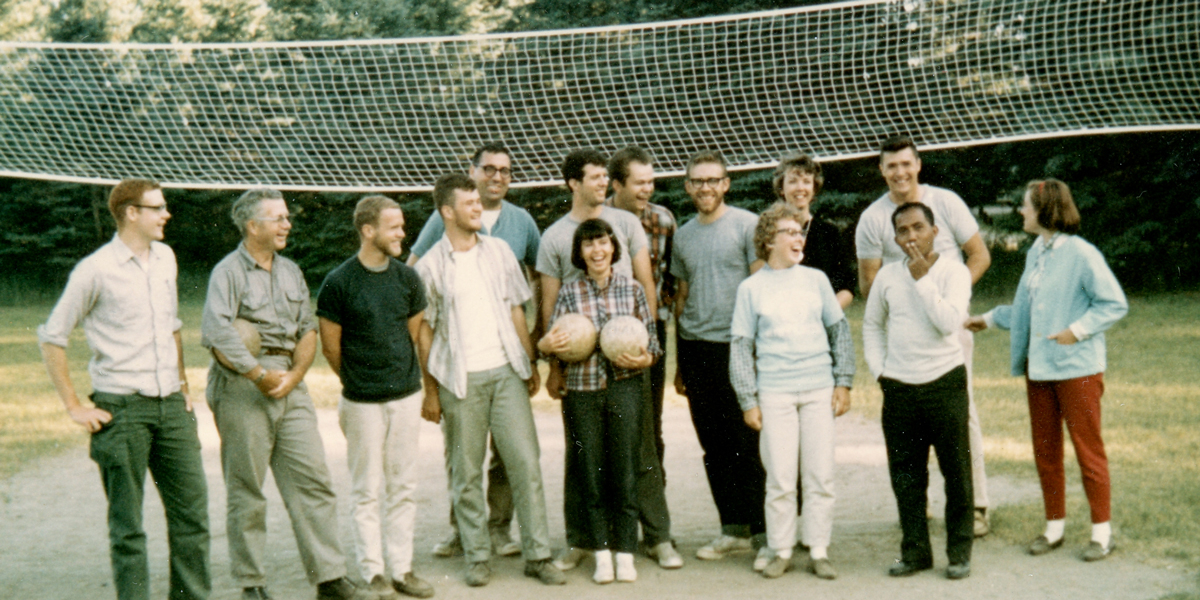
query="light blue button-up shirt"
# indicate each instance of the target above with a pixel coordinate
(1078, 291)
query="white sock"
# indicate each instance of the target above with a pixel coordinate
(604, 567)
(625, 570)
(1054, 530)
(1102, 533)
(818, 552)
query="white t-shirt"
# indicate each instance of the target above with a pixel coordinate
(489, 218)
(875, 236)
(481, 332)
(911, 327)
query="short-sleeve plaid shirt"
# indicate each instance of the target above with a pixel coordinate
(623, 296)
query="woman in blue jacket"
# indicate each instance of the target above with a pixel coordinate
(1065, 301)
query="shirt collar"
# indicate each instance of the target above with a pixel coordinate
(1056, 240)
(247, 259)
(125, 254)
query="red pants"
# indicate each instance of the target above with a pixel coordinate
(1077, 401)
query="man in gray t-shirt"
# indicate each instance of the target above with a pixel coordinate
(711, 255)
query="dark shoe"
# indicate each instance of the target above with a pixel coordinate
(255, 593)
(1095, 551)
(381, 589)
(777, 566)
(545, 571)
(983, 525)
(823, 569)
(904, 569)
(413, 586)
(960, 570)
(340, 589)
(478, 574)
(449, 548)
(503, 544)
(1042, 545)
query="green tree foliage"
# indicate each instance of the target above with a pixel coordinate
(78, 21)
(364, 19)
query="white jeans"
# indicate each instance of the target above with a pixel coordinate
(381, 450)
(798, 428)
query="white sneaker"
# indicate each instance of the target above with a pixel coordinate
(626, 572)
(604, 567)
(667, 556)
(569, 558)
(763, 559)
(724, 544)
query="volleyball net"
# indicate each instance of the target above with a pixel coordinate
(393, 115)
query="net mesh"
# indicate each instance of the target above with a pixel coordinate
(393, 115)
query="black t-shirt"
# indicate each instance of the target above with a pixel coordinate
(379, 362)
(826, 251)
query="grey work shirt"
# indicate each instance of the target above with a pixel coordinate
(128, 311)
(276, 302)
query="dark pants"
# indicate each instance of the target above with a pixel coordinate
(159, 435)
(651, 489)
(605, 437)
(735, 471)
(916, 417)
(658, 380)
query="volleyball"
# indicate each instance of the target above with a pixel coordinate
(582, 335)
(624, 334)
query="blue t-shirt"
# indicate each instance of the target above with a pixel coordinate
(515, 226)
(786, 313)
(379, 362)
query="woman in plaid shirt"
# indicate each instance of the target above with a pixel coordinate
(601, 409)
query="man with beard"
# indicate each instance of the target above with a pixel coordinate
(370, 310)
(712, 254)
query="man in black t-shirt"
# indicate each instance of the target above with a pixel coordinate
(365, 307)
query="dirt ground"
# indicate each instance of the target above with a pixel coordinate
(53, 535)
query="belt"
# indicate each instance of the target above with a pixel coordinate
(277, 352)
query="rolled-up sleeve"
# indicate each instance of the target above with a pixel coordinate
(76, 300)
(216, 324)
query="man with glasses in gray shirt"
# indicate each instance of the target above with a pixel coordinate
(262, 408)
(124, 296)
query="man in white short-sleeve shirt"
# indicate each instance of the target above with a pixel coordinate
(958, 238)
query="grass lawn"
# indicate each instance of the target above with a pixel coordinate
(1151, 419)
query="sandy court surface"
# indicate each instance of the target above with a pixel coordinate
(53, 536)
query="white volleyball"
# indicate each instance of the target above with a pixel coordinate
(582, 336)
(624, 335)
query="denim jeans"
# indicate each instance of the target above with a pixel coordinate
(159, 435)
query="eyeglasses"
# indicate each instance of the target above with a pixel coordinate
(490, 171)
(711, 182)
(276, 220)
(158, 208)
(791, 232)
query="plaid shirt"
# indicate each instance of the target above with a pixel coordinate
(659, 223)
(623, 296)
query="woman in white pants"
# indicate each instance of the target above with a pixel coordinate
(792, 365)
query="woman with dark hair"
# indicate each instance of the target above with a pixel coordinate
(798, 180)
(1066, 299)
(601, 408)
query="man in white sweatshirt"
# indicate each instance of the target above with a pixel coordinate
(910, 339)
